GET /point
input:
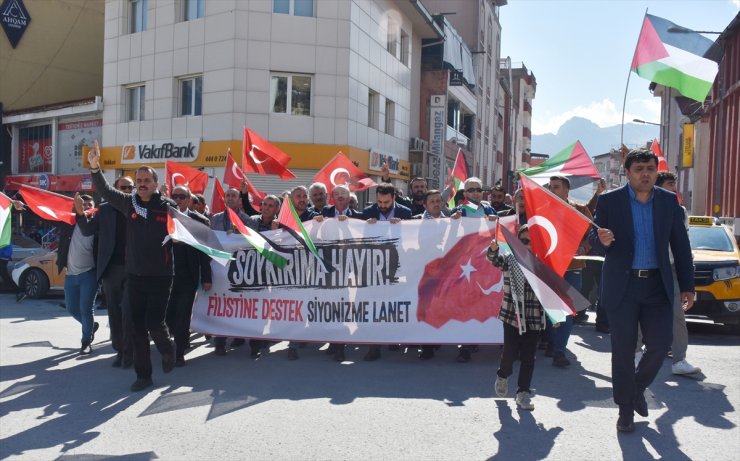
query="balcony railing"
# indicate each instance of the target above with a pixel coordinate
(457, 137)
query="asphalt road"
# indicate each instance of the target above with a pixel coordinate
(55, 404)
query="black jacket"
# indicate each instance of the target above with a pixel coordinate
(331, 211)
(373, 212)
(199, 263)
(145, 254)
(103, 226)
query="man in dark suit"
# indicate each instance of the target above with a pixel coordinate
(340, 195)
(385, 207)
(109, 225)
(636, 224)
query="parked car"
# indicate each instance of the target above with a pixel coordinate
(23, 247)
(716, 271)
(36, 275)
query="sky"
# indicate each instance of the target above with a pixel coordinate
(580, 52)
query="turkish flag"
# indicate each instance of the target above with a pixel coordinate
(259, 156)
(555, 228)
(178, 174)
(48, 205)
(218, 198)
(341, 170)
(462, 285)
(233, 176)
(662, 163)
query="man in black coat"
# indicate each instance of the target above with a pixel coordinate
(385, 207)
(109, 225)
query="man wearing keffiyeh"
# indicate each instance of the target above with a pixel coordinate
(149, 267)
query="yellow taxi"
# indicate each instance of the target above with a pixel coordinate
(716, 271)
(36, 275)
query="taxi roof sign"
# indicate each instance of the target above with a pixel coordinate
(701, 221)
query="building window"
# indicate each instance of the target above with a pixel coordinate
(390, 116)
(297, 101)
(35, 150)
(372, 109)
(405, 44)
(135, 103)
(392, 38)
(193, 9)
(191, 95)
(293, 7)
(137, 15)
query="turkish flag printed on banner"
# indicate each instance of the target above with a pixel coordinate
(233, 176)
(259, 156)
(555, 228)
(341, 170)
(462, 285)
(178, 174)
(48, 205)
(662, 163)
(218, 198)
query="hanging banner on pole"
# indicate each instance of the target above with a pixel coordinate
(687, 159)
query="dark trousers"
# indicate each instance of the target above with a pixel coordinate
(645, 304)
(179, 311)
(148, 297)
(119, 312)
(591, 280)
(524, 347)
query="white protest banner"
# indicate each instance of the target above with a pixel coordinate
(415, 282)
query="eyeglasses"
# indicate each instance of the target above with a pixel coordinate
(473, 189)
(125, 187)
(525, 241)
(180, 196)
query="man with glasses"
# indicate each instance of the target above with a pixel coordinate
(109, 225)
(472, 207)
(192, 269)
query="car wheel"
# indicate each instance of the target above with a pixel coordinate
(35, 284)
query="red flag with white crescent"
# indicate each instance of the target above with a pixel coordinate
(179, 174)
(341, 170)
(662, 163)
(51, 206)
(233, 176)
(555, 228)
(218, 198)
(259, 156)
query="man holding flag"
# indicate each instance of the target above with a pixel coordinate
(149, 267)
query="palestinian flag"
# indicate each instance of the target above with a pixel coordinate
(187, 230)
(558, 297)
(288, 217)
(673, 56)
(470, 207)
(572, 162)
(457, 177)
(254, 238)
(6, 205)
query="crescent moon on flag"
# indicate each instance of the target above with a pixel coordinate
(545, 223)
(254, 157)
(335, 173)
(495, 287)
(48, 211)
(236, 171)
(174, 183)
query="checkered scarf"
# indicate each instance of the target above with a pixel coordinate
(517, 278)
(140, 210)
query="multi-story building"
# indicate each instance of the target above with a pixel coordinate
(524, 89)
(314, 77)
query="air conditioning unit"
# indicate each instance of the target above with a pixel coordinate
(418, 144)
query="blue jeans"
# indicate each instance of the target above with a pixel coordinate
(560, 335)
(79, 297)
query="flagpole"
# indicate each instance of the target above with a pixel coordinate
(626, 87)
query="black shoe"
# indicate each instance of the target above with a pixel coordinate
(220, 350)
(426, 353)
(339, 354)
(117, 362)
(96, 325)
(625, 423)
(373, 354)
(640, 404)
(560, 360)
(180, 361)
(86, 348)
(168, 362)
(602, 328)
(580, 318)
(140, 384)
(255, 353)
(549, 350)
(292, 354)
(238, 342)
(463, 356)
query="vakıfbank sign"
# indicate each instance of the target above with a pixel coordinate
(182, 150)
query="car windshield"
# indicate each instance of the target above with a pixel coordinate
(709, 238)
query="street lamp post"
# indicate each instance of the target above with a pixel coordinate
(637, 120)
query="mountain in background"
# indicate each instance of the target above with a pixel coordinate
(595, 140)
